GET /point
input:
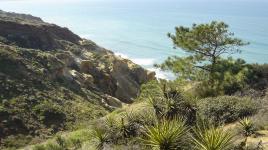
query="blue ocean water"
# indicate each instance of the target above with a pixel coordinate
(137, 29)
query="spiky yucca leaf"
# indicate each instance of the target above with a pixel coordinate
(247, 126)
(212, 139)
(101, 136)
(110, 121)
(166, 135)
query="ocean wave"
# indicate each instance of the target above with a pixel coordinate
(144, 61)
(140, 61)
(163, 74)
(121, 55)
(148, 63)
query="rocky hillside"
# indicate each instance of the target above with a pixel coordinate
(50, 78)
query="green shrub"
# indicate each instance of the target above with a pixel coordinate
(76, 143)
(50, 114)
(151, 89)
(39, 147)
(16, 141)
(259, 77)
(226, 109)
(54, 146)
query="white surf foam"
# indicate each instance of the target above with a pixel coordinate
(144, 61)
(148, 63)
(163, 74)
(121, 55)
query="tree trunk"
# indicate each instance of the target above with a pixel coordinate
(212, 69)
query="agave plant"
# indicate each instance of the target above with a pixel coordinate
(177, 103)
(212, 138)
(101, 136)
(247, 128)
(155, 103)
(166, 135)
(110, 121)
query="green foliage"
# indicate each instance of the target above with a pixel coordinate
(259, 77)
(39, 147)
(54, 146)
(77, 144)
(61, 141)
(247, 126)
(212, 139)
(144, 117)
(184, 67)
(101, 137)
(225, 109)
(261, 119)
(151, 89)
(169, 101)
(206, 42)
(33, 102)
(16, 141)
(47, 109)
(230, 75)
(166, 134)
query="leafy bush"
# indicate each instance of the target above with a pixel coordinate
(16, 141)
(225, 109)
(151, 89)
(259, 77)
(50, 113)
(261, 118)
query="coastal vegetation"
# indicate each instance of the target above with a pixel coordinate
(73, 94)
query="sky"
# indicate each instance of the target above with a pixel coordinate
(56, 1)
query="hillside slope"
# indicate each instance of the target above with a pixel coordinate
(51, 79)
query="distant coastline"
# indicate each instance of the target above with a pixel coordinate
(138, 30)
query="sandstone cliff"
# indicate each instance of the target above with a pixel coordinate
(50, 76)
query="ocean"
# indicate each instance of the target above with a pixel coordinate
(137, 29)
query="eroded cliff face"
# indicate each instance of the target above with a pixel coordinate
(48, 73)
(113, 75)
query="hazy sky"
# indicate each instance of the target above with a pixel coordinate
(56, 1)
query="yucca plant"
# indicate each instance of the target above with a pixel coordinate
(101, 136)
(179, 104)
(212, 138)
(166, 135)
(248, 129)
(158, 104)
(123, 128)
(110, 121)
(247, 126)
